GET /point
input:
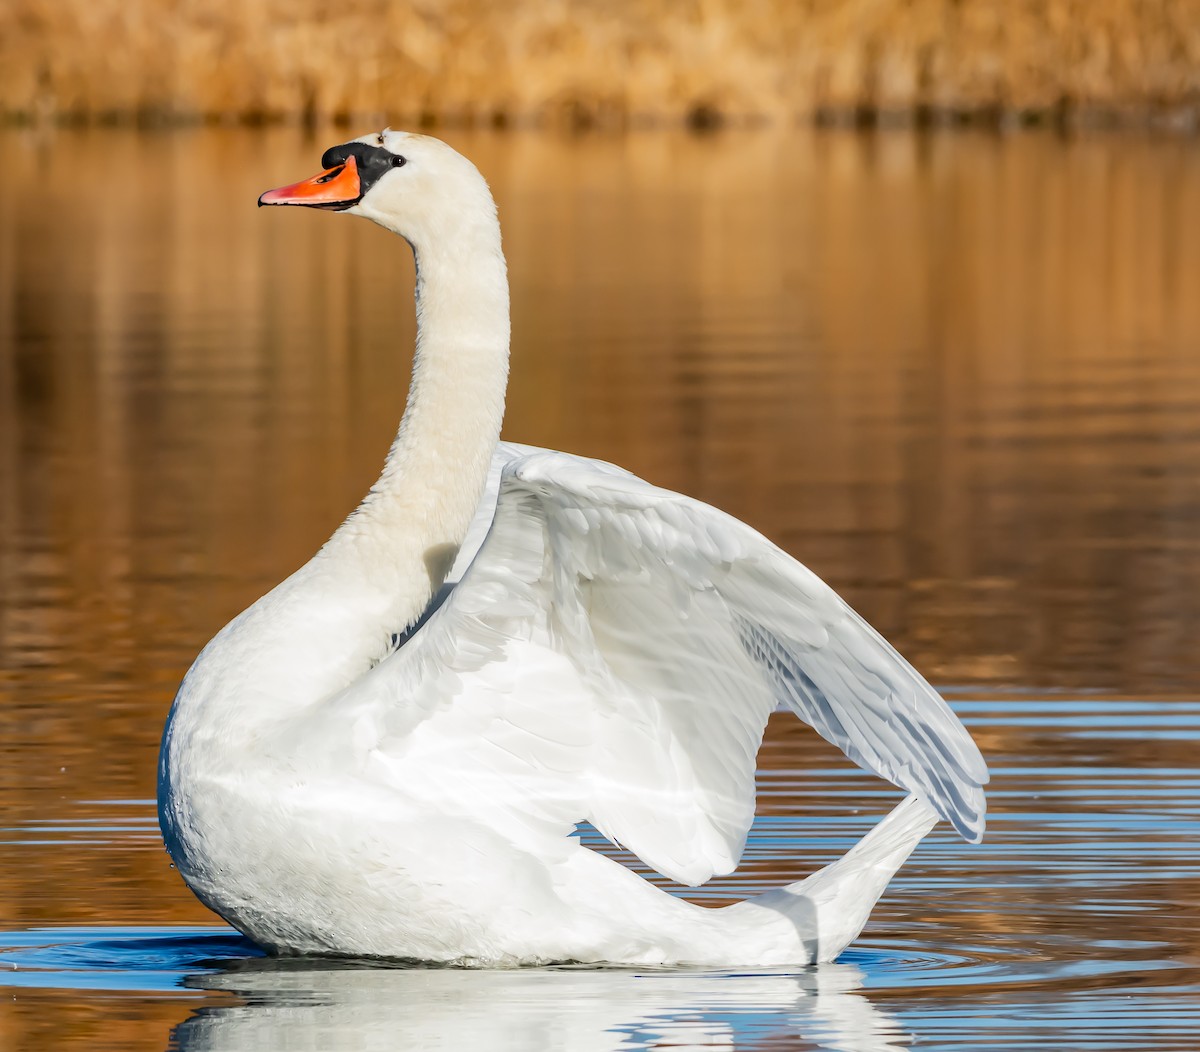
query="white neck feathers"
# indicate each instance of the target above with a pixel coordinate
(330, 621)
(436, 468)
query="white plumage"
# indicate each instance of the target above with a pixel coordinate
(388, 753)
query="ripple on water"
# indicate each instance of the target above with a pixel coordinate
(1069, 927)
(136, 959)
(147, 958)
(878, 996)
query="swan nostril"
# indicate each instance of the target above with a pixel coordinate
(333, 173)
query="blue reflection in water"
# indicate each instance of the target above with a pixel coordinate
(1071, 927)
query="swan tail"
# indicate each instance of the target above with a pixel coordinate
(826, 911)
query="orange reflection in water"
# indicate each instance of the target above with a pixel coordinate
(955, 374)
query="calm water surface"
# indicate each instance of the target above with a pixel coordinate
(959, 376)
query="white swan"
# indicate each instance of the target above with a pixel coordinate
(387, 754)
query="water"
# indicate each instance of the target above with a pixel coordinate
(956, 375)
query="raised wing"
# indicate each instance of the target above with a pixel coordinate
(671, 631)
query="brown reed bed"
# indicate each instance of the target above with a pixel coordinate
(615, 63)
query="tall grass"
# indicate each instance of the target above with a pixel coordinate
(603, 61)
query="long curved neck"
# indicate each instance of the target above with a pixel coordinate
(405, 534)
(326, 625)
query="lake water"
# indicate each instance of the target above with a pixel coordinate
(958, 375)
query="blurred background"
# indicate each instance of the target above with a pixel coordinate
(587, 62)
(912, 287)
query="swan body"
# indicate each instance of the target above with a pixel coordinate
(388, 753)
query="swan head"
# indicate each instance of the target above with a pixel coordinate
(414, 185)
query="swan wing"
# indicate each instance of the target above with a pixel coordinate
(646, 637)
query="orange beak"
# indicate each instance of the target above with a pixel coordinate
(335, 188)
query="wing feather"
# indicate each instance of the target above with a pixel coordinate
(816, 654)
(682, 629)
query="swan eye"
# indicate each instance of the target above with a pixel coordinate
(398, 162)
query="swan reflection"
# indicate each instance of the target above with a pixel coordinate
(303, 1004)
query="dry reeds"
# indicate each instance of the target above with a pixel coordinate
(620, 62)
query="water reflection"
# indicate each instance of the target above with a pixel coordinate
(314, 1007)
(1072, 926)
(955, 374)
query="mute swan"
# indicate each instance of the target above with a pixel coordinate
(387, 754)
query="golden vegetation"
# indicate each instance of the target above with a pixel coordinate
(620, 62)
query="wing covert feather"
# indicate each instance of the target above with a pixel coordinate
(685, 629)
(816, 654)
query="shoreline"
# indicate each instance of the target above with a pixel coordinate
(1181, 119)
